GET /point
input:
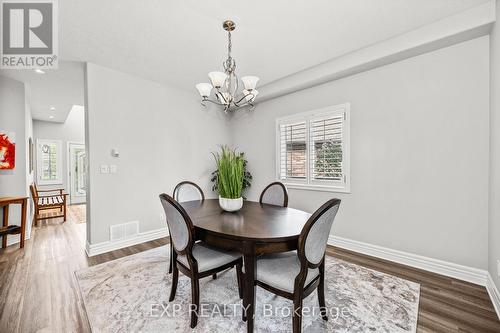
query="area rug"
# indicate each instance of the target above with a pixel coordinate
(131, 295)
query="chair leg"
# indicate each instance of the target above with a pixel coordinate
(35, 217)
(239, 278)
(321, 291)
(175, 278)
(214, 276)
(64, 207)
(195, 302)
(297, 314)
(171, 257)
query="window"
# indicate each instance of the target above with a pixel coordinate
(313, 149)
(49, 162)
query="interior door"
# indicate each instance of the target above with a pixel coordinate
(77, 173)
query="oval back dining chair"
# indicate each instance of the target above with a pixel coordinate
(296, 274)
(188, 191)
(185, 191)
(275, 194)
(194, 259)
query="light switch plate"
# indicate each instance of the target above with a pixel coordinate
(104, 168)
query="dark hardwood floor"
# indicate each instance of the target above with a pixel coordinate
(38, 290)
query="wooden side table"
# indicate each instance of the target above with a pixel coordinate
(7, 229)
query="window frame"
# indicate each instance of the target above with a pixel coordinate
(309, 116)
(59, 163)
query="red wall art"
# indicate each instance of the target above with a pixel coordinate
(7, 150)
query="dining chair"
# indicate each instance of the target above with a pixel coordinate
(275, 194)
(186, 191)
(296, 274)
(194, 259)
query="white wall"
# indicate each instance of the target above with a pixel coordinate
(164, 136)
(419, 153)
(30, 174)
(14, 117)
(494, 207)
(72, 130)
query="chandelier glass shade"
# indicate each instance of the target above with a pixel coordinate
(225, 85)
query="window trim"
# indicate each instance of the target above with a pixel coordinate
(307, 116)
(59, 174)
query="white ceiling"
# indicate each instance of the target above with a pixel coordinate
(59, 88)
(178, 42)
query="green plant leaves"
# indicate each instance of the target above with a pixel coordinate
(230, 172)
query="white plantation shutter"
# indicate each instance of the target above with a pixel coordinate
(293, 152)
(326, 148)
(49, 162)
(313, 149)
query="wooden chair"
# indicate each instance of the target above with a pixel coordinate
(194, 259)
(186, 191)
(296, 274)
(275, 194)
(57, 199)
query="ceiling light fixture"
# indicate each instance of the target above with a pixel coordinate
(39, 71)
(226, 83)
(52, 108)
(51, 117)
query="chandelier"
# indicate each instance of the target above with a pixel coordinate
(226, 83)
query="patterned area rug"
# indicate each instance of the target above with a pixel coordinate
(131, 294)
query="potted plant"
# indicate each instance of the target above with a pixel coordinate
(247, 177)
(229, 178)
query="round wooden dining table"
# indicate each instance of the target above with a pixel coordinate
(255, 229)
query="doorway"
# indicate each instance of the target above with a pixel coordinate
(77, 172)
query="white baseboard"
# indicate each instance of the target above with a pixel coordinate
(494, 294)
(465, 273)
(99, 248)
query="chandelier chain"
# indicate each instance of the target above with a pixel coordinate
(229, 45)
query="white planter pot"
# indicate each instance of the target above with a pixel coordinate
(230, 205)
